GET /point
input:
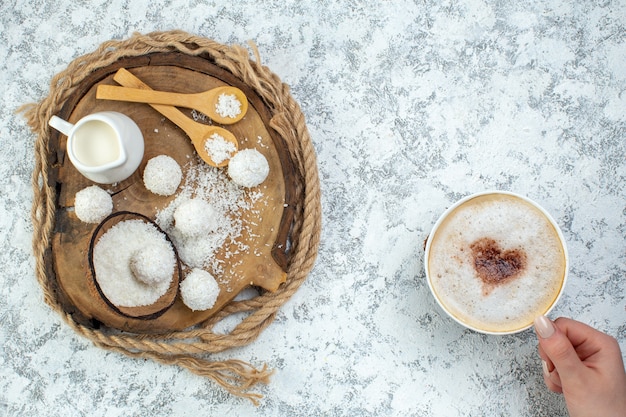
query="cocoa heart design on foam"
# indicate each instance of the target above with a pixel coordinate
(495, 266)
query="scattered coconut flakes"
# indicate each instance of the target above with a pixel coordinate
(92, 204)
(112, 259)
(228, 106)
(199, 117)
(199, 290)
(229, 201)
(248, 168)
(198, 251)
(162, 175)
(218, 148)
(196, 217)
(153, 264)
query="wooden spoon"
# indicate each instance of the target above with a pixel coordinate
(197, 132)
(205, 102)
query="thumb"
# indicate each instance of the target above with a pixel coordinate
(558, 348)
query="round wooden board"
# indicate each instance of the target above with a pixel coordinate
(268, 221)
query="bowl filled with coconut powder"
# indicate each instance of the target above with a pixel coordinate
(134, 266)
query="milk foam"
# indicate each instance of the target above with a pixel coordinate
(513, 224)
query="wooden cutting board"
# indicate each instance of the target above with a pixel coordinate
(269, 220)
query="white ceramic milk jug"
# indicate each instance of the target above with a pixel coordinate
(106, 147)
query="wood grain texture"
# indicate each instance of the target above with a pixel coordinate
(264, 265)
(204, 102)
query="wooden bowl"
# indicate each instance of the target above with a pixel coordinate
(147, 312)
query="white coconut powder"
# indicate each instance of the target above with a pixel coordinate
(112, 263)
(228, 106)
(228, 201)
(218, 148)
(92, 204)
(200, 117)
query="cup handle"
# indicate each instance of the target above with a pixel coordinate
(61, 125)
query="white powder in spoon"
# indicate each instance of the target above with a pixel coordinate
(228, 106)
(218, 148)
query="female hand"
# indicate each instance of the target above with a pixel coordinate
(585, 365)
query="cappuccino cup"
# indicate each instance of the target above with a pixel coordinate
(496, 260)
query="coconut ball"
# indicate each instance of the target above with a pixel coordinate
(162, 175)
(248, 168)
(195, 217)
(92, 204)
(153, 264)
(199, 290)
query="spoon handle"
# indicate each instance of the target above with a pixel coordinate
(139, 95)
(127, 79)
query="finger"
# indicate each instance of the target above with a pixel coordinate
(558, 348)
(551, 376)
(553, 381)
(549, 366)
(555, 378)
(576, 331)
(586, 340)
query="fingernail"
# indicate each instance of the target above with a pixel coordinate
(544, 366)
(544, 327)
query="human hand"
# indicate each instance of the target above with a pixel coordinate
(585, 365)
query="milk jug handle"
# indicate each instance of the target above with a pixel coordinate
(61, 125)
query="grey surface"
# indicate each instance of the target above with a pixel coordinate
(411, 105)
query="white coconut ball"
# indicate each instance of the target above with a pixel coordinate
(92, 204)
(199, 290)
(248, 168)
(162, 175)
(195, 217)
(153, 264)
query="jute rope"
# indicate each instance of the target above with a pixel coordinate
(190, 348)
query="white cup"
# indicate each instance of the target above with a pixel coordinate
(106, 147)
(496, 260)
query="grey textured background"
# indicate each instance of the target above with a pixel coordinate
(411, 105)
